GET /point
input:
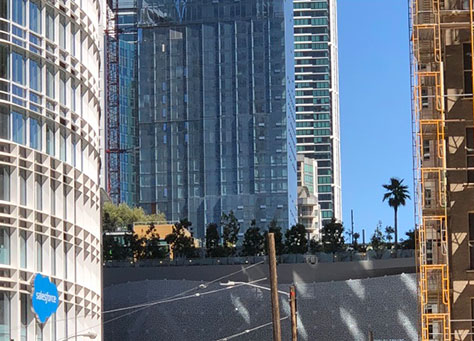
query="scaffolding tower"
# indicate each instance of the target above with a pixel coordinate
(430, 169)
(435, 26)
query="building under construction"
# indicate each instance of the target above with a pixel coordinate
(201, 109)
(442, 58)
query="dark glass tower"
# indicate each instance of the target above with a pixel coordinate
(128, 103)
(217, 110)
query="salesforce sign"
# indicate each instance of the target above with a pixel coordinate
(45, 297)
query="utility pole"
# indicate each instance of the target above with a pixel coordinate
(352, 227)
(363, 237)
(294, 330)
(274, 288)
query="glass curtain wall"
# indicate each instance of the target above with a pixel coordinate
(128, 105)
(213, 103)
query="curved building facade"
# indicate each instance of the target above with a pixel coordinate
(49, 165)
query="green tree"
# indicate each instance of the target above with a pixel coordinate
(212, 239)
(152, 246)
(355, 244)
(180, 242)
(117, 248)
(231, 227)
(137, 246)
(253, 241)
(123, 216)
(114, 216)
(213, 249)
(295, 239)
(377, 240)
(396, 194)
(333, 236)
(315, 246)
(409, 243)
(389, 231)
(277, 235)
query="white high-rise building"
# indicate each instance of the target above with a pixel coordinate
(49, 166)
(317, 97)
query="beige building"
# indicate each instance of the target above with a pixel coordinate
(309, 210)
(442, 34)
(162, 230)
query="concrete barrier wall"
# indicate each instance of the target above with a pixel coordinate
(339, 310)
(287, 273)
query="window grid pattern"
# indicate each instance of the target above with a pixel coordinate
(216, 102)
(317, 95)
(49, 201)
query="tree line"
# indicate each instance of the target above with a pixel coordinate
(222, 240)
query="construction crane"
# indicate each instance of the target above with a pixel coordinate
(112, 71)
(115, 33)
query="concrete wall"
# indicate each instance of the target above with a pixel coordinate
(340, 310)
(287, 273)
(461, 194)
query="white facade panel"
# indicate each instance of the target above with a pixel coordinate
(49, 165)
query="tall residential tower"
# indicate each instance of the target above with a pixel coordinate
(49, 166)
(216, 110)
(317, 97)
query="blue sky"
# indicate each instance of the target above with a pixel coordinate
(374, 87)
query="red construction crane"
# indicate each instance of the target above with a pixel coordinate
(112, 105)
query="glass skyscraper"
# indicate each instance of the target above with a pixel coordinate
(216, 110)
(121, 118)
(128, 103)
(317, 97)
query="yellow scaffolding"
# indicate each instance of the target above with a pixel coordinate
(430, 169)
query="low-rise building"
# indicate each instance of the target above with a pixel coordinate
(309, 210)
(142, 230)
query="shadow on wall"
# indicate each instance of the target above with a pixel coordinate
(344, 310)
(306, 272)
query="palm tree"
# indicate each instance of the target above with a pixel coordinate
(397, 193)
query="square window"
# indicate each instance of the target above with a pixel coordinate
(19, 11)
(35, 133)
(18, 68)
(19, 127)
(35, 16)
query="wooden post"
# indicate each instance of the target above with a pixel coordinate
(294, 329)
(274, 288)
(371, 335)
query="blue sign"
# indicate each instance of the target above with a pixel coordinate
(45, 297)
